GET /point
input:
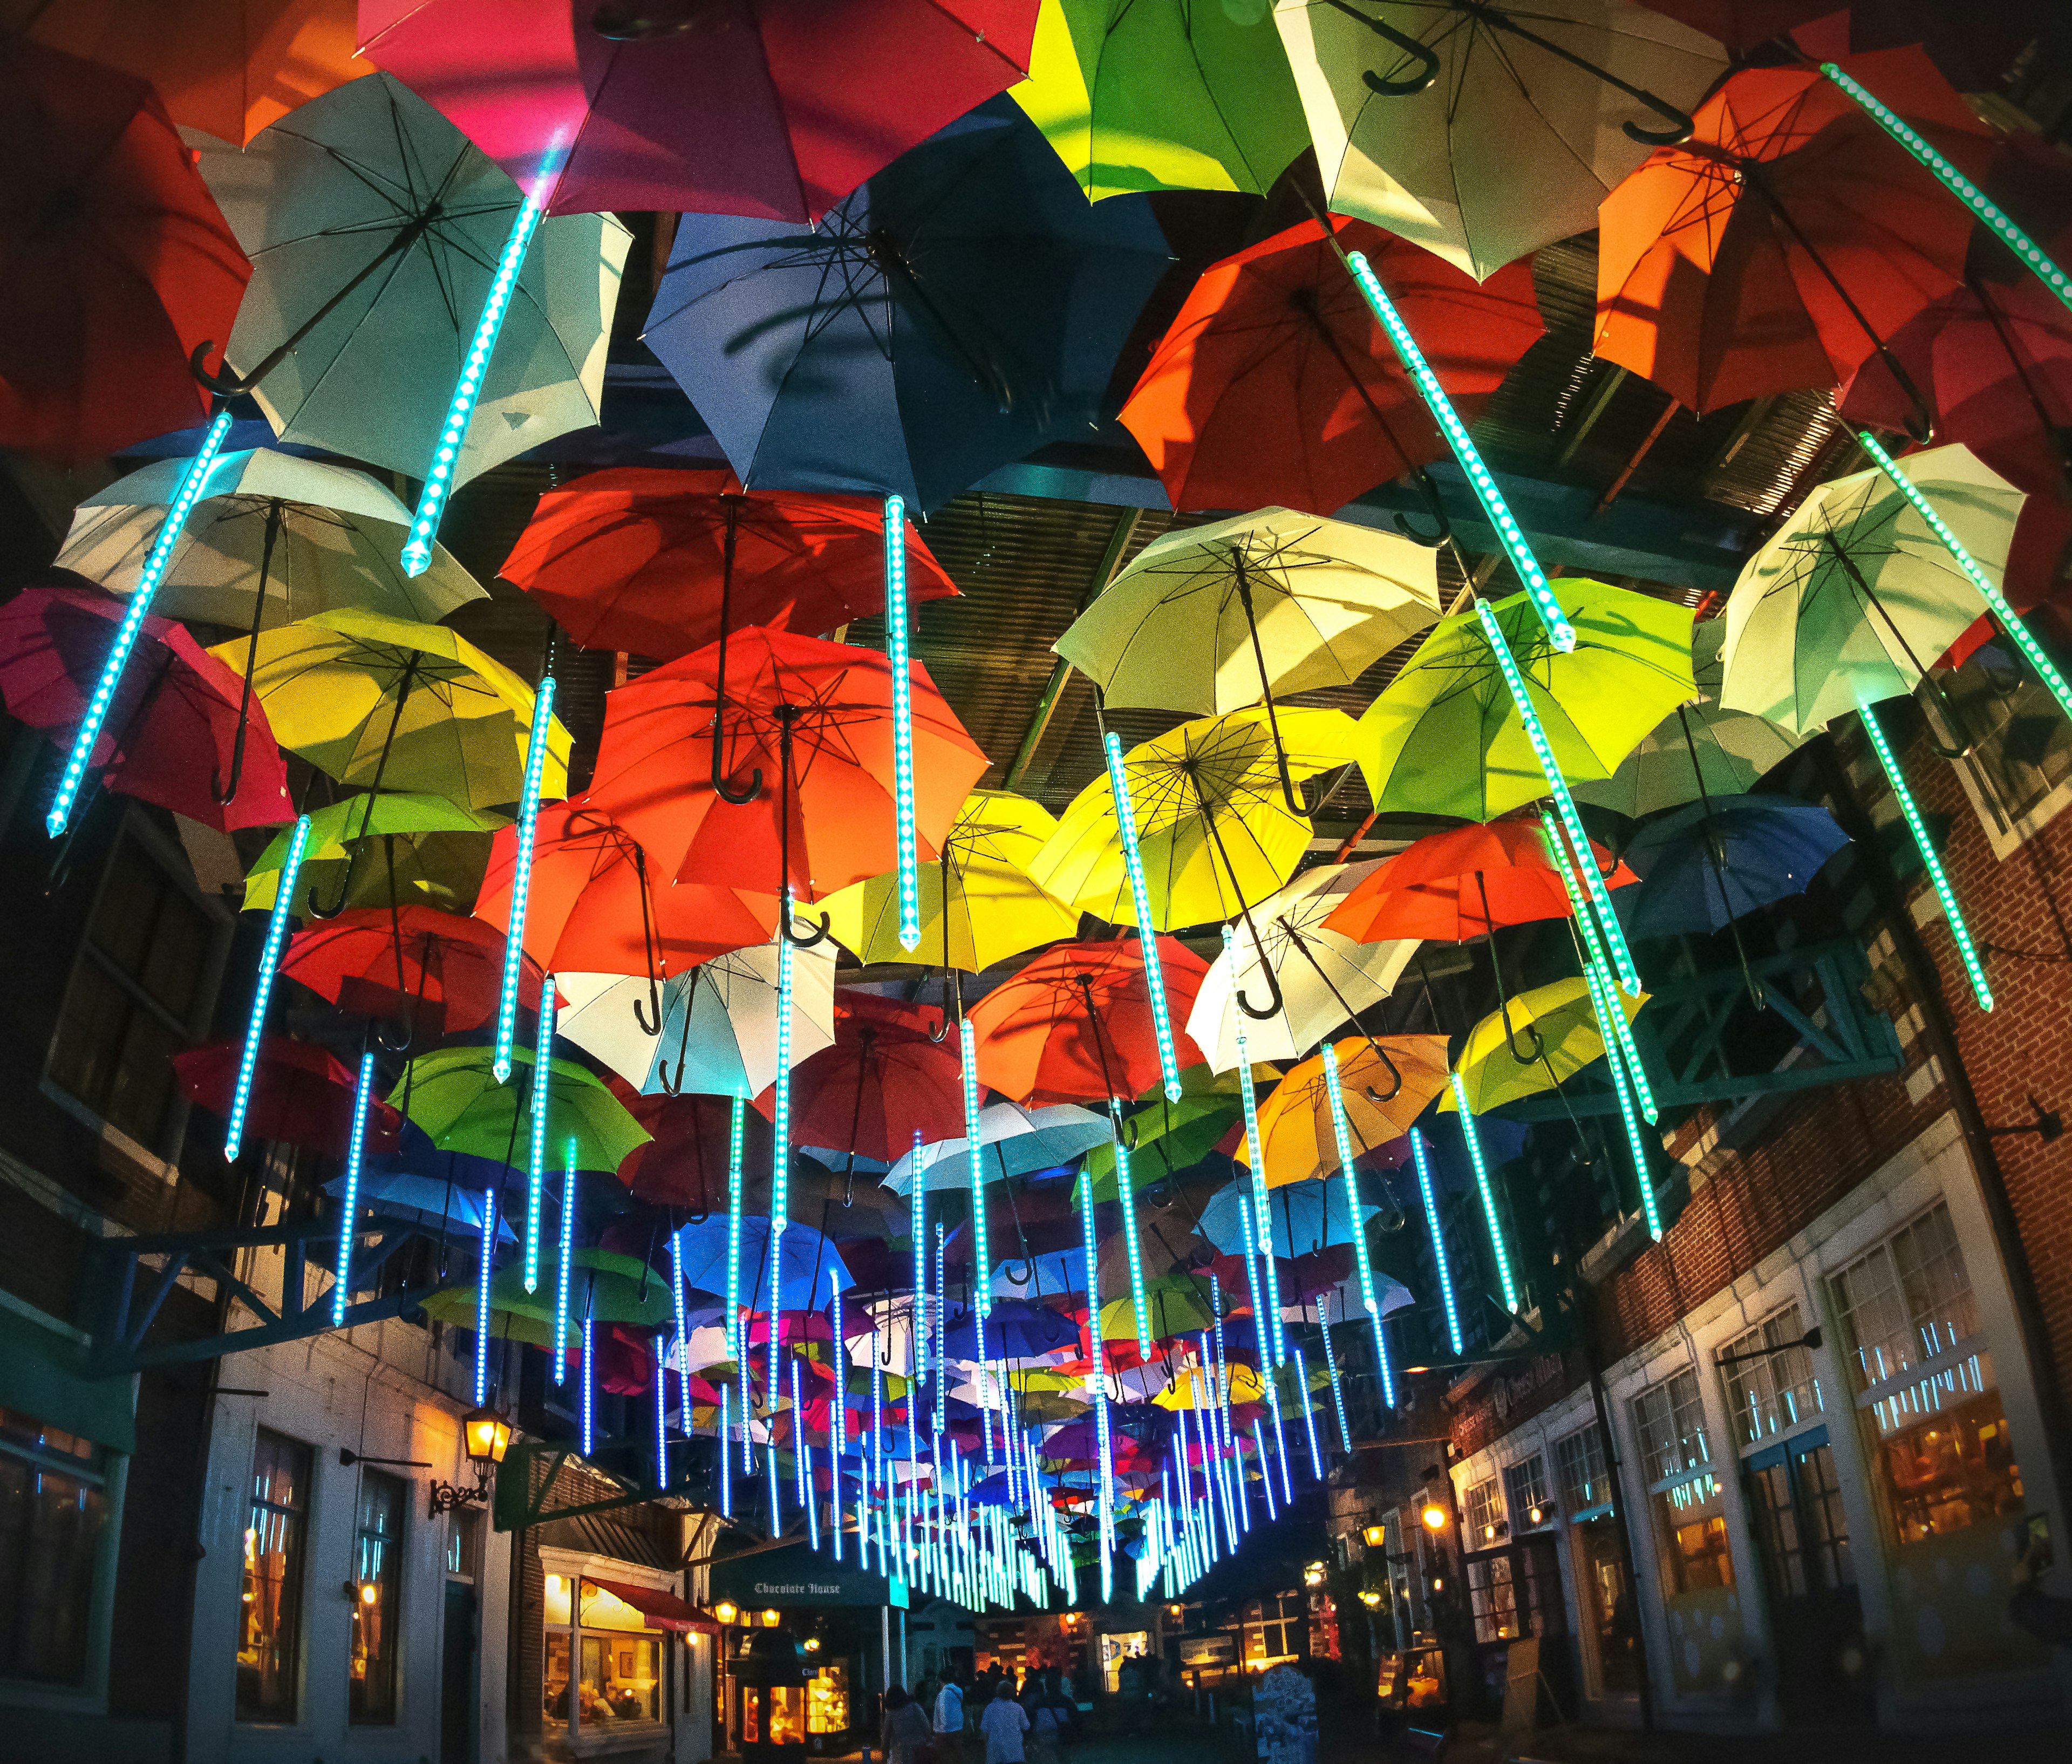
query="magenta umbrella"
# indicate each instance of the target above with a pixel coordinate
(772, 107)
(169, 735)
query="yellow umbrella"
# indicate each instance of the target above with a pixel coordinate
(979, 905)
(1554, 1026)
(375, 700)
(415, 850)
(1298, 1138)
(1050, 1406)
(1214, 831)
(1198, 1391)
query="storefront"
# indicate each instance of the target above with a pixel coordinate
(613, 1662)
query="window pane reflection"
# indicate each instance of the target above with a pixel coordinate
(376, 1571)
(271, 1635)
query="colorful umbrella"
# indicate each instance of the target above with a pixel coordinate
(386, 850)
(1163, 1140)
(978, 902)
(452, 1093)
(685, 1164)
(1787, 239)
(604, 1286)
(1385, 1087)
(1304, 1217)
(375, 232)
(963, 307)
(1560, 1025)
(302, 1094)
(1192, 94)
(1213, 825)
(809, 1267)
(661, 562)
(884, 1082)
(1275, 384)
(118, 262)
(1445, 737)
(1076, 1022)
(1462, 883)
(1709, 863)
(778, 108)
(1484, 134)
(429, 1199)
(437, 973)
(172, 725)
(1014, 1141)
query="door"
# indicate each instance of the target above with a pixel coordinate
(1607, 1607)
(459, 1665)
(1812, 1583)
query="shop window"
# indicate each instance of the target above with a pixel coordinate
(1481, 1511)
(269, 1641)
(1273, 1627)
(1684, 1497)
(1670, 1418)
(53, 1513)
(2021, 747)
(619, 1663)
(1771, 1387)
(1525, 1492)
(1586, 1484)
(139, 993)
(1907, 1301)
(827, 1698)
(1492, 1598)
(377, 1572)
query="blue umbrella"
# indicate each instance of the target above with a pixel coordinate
(429, 1198)
(963, 307)
(1046, 1275)
(809, 1267)
(1306, 1216)
(1014, 1141)
(1015, 1329)
(1707, 864)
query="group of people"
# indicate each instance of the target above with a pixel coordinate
(1023, 1725)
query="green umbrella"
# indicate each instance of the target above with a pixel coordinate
(1178, 95)
(1445, 738)
(420, 849)
(605, 1286)
(1162, 1139)
(452, 1093)
(1178, 1304)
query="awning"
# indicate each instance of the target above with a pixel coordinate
(664, 1609)
(44, 1375)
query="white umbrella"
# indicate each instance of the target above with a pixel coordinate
(1484, 134)
(1017, 1140)
(719, 1020)
(1323, 977)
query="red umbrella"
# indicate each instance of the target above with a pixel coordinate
(1076, 1022)
(117, 261)
(662, 562)
(301, 1094)
(1742, 24)
(599, 905)
(173, 723)
(777, 108)
(1276, 384)
(437, 972)
(684, 1164)
(883, 1081)
(1788, 238)
(1463, 883)
(804, 790)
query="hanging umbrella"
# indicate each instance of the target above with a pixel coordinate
(392, 849)
(1298, 1136)
(1762, 849)
(1699, 749)
(173, 723)
(1322, 978)
(1076, 1022)
(118, 262)
(1483, 133)
(302, 1094)
(604, 1286)
(962, 308)
(1202, 1391)
(375, 700)
(979, 905)
(720, 1032)
(1163, 1140)
(435, 973)
(661, 562)
(1465, 882)
(810, 1268)
(1213, 824)
(1014, 1329)
(1194, 95)
(779, 109)
(1014, 1141)
(1214, 618)
(1855, 596)
(1445, 737)
(806, 769)
(685, 1164)
(428, 1199)
(1563, 1034)
(1275, 383)
(884, 1080)
(1304, 1217)
(1787, 239)
(452, 1093)
(227, 67)
(375, 230)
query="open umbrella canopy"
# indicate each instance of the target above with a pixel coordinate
(1213, 826)
(430, 1199)
(1276, 384)
(1304, 1217)
(387, 849)
(685, 1164)
(1015, 1329)
(1856, 597)
(374, 229)
(302, 1094)
(604, 1286)
(453, 1094)
(439, 973)
(1484, 134)
(1014, 1141)
(1213, 618)
(979, 904)
(118, 262)
(276, 537)
(810, 1270)
(1297, 1135)
(1445, 737)
(883, 1080)
(1163, 1139)
(1713, 861)
(1464, 882)
(376, 701)
(1555, 1028)
(963, 307)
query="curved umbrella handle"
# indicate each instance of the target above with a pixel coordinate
(725, 790)
(1411, 84)
(1028, 1272)
(225, 793)
(1427, 492)
(1272, 991)
(791, 936)
(223, 383)
(1394, 1074)
(344, 889)
(1510, 1039)
(642, 1007)
(1680, 125)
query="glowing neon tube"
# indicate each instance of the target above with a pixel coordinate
(1140, 895)
(1488, 1194)
(542, 1095)
(521, 878)
(1438, 1241)
(482, 1297)
(262, 990)
(561, 1270)
(897, 640)
(363, 1098)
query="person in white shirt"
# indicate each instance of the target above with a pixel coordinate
(950, 1721)
(1003, 1723)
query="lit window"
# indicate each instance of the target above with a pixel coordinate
(1684, 1496)
(1907, 1301)
(270, 1632)
(1586, 1484)
(1480, 1507)
(1770, 1392)
(53, 1512)
(1525, 1489)
(377, 1606)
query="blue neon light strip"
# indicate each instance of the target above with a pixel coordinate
(262, 992)
(1140, 895)
(521, 877)
(363, 1100)
(541, 1096)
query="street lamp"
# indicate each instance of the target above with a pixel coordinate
(1374, 1536)
(1434, 1516)
(487, 1437)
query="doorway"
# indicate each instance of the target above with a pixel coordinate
(1815, 1613)
(458, 1686)
(1607, 1605)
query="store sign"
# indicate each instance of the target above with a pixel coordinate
(1208, 1649)
(795, 1578)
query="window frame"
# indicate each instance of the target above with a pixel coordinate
(2006, 832)
(88, 1693)
(296, 1668)
(1590, 1455)
(1783, 1325)
(575, 1567)
(1522, 1494)
(397, 1547)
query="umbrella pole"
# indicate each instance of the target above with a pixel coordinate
(222, 791)
(1279, 1004)
(865, 1036)
(359, 840)
(676, 1087)
(786, 716)
(1302, 946)
(2057, 434)
(1502, 995)
(1714, 857)
(1295, 806)
(726, 792)
(1841, 554)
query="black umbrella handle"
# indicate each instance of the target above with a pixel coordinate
(1680, 125)
(1411, 84)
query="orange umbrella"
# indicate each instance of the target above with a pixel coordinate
(1385, 1085)
(1463, 883)
(1787, 238)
